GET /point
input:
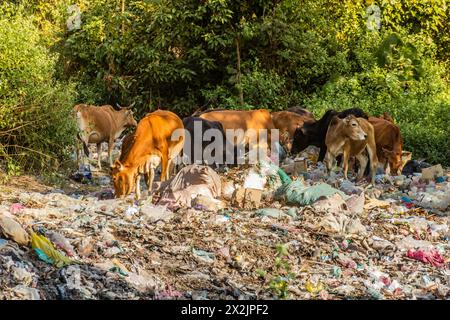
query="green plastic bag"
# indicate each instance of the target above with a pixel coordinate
(296, 192)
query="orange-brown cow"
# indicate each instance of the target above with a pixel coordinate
(152, 145)
(102, 124)
(351, 136)
(251, 122)
(287, 122)
(389, 143)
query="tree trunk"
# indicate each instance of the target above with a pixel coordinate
(123, 22)
(238, 74)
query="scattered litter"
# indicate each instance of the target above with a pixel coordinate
(47, 252)
(432, 257)
(13, 230)
(239, 234)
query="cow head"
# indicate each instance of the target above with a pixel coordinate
(129, 120)
(394, 158)
(304, 136)
(351, 128)
(123, 179)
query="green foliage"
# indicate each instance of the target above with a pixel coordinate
(263, 89)
(418, 101)
(183, 55)
(35, 122)
(279, 283)
(280, 276)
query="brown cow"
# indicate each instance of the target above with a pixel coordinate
(287, 122)
(251, 122)
(389, 143)
(102, 124)
(152, 145)
(351, 136)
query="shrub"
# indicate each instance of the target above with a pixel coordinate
(420, 105)
(35, 124)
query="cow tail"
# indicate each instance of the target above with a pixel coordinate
(85, 147)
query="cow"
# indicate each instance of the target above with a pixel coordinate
(389, 143)
(127, 143)
(251, 122)
(313, 133)
(351, 136)
(287, 122)
(102, 124)
(158, 140)
(199, 139)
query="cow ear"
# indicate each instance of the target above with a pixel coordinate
(117, 165)
(335, 120)
(406, 154)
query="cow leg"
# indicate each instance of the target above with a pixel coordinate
(83, 140)
(110, 147)
(138, 187)
(164, 163)
(371, 150)
(345, 158)
(329, 159)
(170, 168)
(150, 178)
(77, 150)
(387, 168)
(99, 152)
(322, 153)
(362, 165)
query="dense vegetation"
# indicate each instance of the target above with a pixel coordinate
(182, 55)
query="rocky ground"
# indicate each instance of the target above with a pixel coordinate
(390, 241)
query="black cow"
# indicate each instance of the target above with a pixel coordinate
(189, 124)
(313, 133)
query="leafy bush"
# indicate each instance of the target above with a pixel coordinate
(35, 122)
(183, 55)
(419, 102)
(262, 89)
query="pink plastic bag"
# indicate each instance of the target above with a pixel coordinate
(432, 256)
(16, 208)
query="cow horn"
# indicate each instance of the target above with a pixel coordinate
(118, 105)
(131, 105)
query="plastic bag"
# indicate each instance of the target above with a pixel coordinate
(13, 230)
(297, 193)
(47, 252)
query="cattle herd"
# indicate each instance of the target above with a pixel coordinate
(161, 137)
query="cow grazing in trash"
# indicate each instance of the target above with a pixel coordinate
(158, 140)
(389, 143)
(287, 122)
(251, 122)
(102, 124)
(351, 136)
(313, 133)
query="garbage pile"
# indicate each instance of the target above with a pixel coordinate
(251, 232)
